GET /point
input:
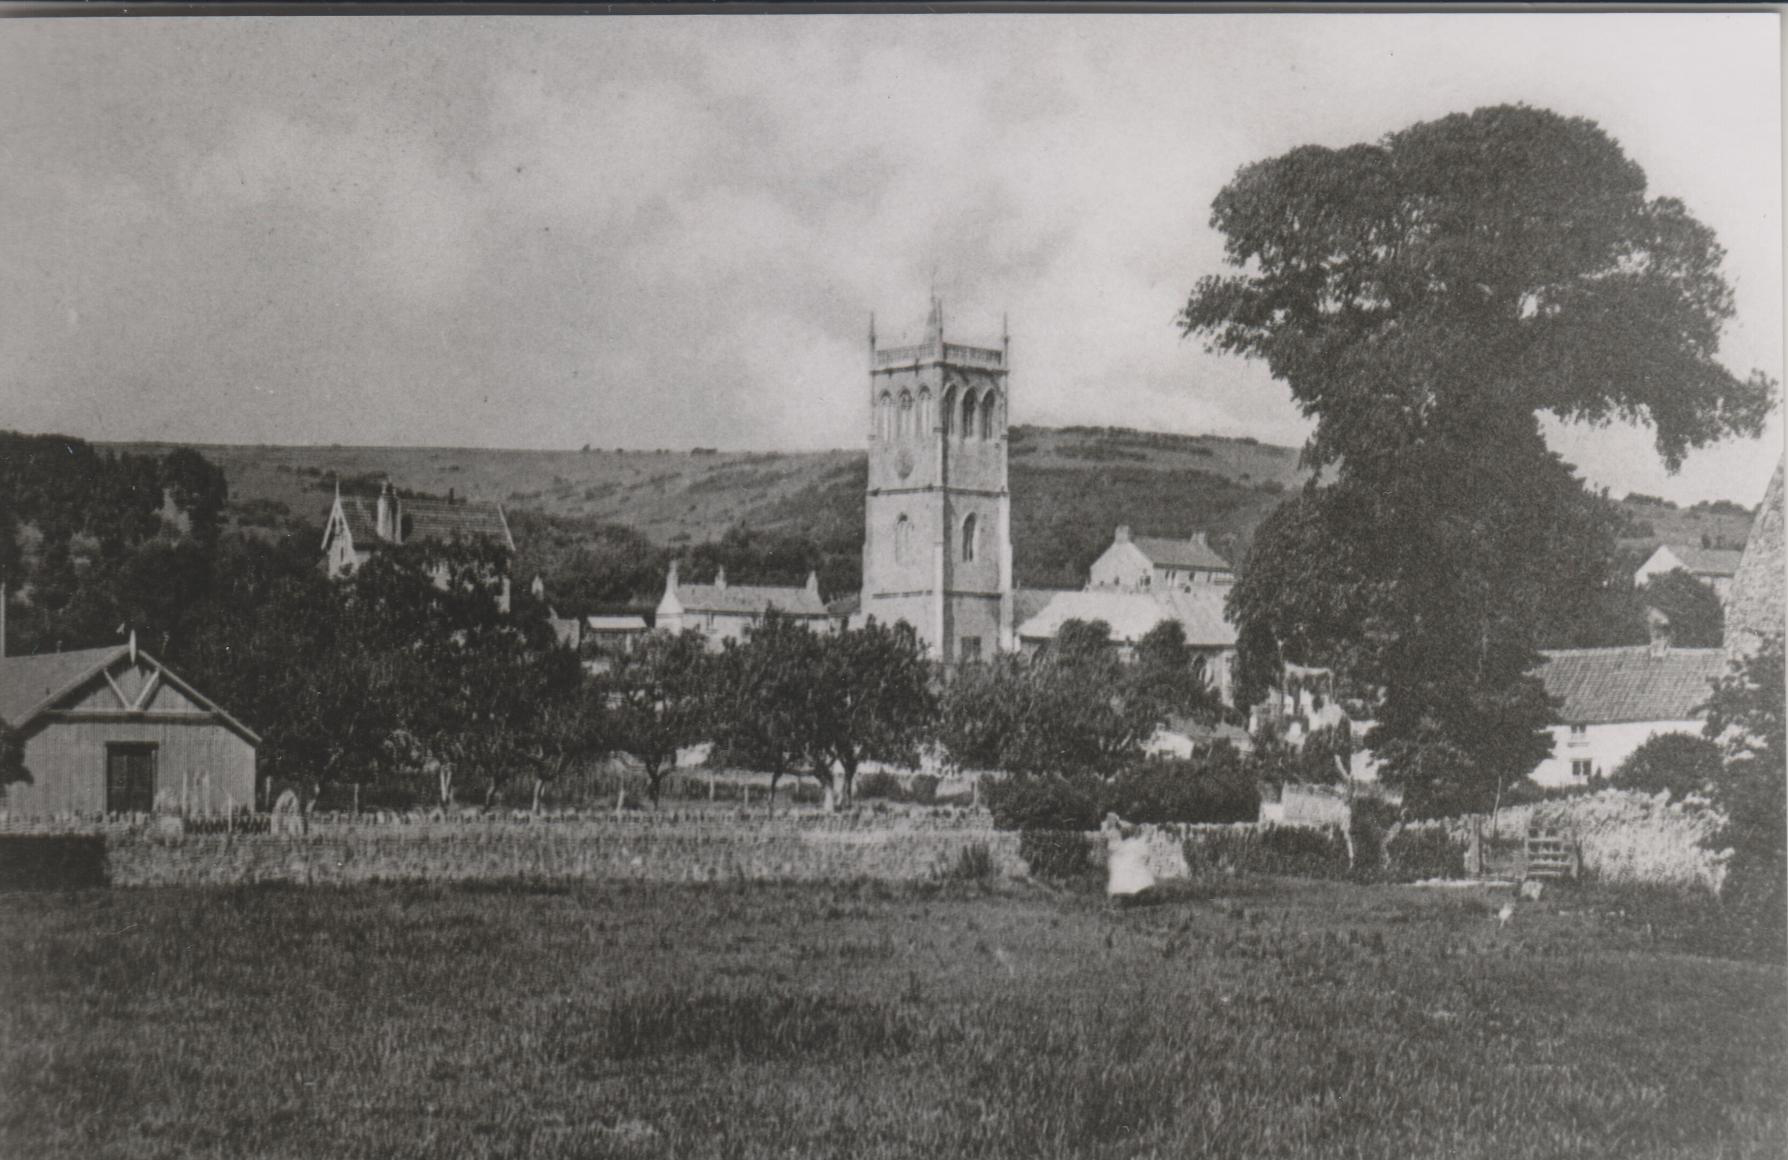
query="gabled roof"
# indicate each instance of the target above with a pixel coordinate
(1193, 553)
(1705, 561)
(427, 519)
(29, 685)
(437, 519)
(749, 599)
(1132, 614)
(1754, 609)
(1027, 602)
(1605, 686)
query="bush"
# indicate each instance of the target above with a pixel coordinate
(974, 863)
(1043, 803)
(1678, 764)
(1283, 851)
(1218, 789)
(1424, 852)
(1056, 855)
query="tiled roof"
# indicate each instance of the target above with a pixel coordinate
(437, 519)
(1027, 602)
(1603, 686)
(616, 623)
(27, 682)
(847, 605)
(1132, 614)
(749, 599)
(1193, 553)
(428, 519)
(1706, 561)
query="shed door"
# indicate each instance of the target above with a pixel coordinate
(130, 779)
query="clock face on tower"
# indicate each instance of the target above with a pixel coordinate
(903, 463)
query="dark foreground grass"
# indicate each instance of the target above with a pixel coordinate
(1278, 1019)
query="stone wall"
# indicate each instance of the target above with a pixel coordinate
(754, 849)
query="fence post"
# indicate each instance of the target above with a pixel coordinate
(1474, 850)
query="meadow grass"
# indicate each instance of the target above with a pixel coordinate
(1259, 1018)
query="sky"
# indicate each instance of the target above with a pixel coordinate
(659, 231)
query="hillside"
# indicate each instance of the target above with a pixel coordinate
(1070, 488)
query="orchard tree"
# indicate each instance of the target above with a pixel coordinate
(1693, 610)
(767, 688)
(1427, 299)
(657, 701)
(873, 699)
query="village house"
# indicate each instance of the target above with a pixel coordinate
(1140, 563)
(356, 529)
(1131, 614)
(1714, 567)
(114, 731)
(1613, 700)
(722, 611)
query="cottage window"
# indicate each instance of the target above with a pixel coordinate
(130, 778)
(971, 649)
(1582, 769)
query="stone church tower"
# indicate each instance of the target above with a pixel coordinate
(937, 549)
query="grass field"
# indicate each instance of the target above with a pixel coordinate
(1267, 1019)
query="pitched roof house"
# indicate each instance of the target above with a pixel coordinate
(356, 528)
(1612, 700)
(113, 730)
(1147, 562)
(1714, 567)
(723, 611)
(1133, 613)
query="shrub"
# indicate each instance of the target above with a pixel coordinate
(1678, 764)
(878, 784)
(1216, 790)
(1283, 851)
(1056, 855)
(974, 863)
(1422, 852)
(1043, 803)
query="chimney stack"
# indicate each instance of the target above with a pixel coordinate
(385, 519)
(1123, 534)
(720, 578)
(670, 580)
(813, 583)
(1659, 626)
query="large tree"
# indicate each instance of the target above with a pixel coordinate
(1427, 299)
(658, 701)
(873, 699)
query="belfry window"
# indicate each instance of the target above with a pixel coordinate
(987, 404)
(884, 412)
(906, 414)
(949, 410)
(968, 414)
(970, 528)
(926, 420)
(903, 540)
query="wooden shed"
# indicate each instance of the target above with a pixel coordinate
(114, 731)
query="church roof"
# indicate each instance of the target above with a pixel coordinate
(1605, 686)
(1132, 614)
(1193, 553)
(749, 599)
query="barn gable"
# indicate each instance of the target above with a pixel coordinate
(96, 683)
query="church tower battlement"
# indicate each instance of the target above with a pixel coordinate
(937, 549)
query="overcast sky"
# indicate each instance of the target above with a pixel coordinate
(670, 231)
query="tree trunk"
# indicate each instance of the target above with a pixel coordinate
(654, 777)
(539, 784)
(849, 795)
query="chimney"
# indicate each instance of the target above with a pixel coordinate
(813, 584)
(720, 578)
(385, 519)
(450, 497)
(1659, 626)
(1123, 534)
(670, 580)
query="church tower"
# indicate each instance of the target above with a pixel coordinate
(937, 548)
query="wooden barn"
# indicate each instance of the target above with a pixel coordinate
(112, 730)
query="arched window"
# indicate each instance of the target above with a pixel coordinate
(903, 539)
(906, 414)
(949, 410)
(968, 414)
(926, 420)
(987, 424)
(884, 411)
(969, 527)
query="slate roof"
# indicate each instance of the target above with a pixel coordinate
(1605, 686)
(1706, 561)
(428, 519)
(1027, 602)
(31, 684)
(27, 683)
(616, 623)
(749, 599)
(1193, 553)
(1132, 614)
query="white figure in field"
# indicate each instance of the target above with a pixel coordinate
(1126, 861)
